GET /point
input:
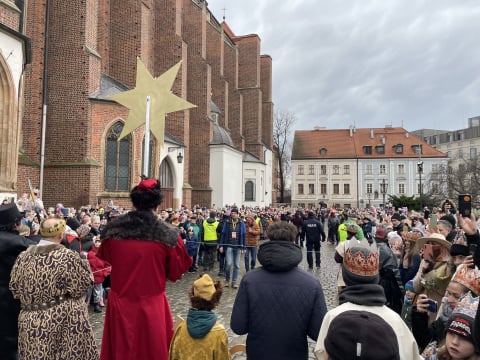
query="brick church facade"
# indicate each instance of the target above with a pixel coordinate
(78, 53)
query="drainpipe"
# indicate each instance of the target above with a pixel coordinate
(44, 96)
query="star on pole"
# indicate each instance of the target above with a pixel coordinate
(162, 100)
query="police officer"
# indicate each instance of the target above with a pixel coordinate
(312, 231)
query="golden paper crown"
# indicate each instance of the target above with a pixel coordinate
(361, 261)
(468, 277)
(53, 230)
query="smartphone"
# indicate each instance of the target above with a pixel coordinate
(431, 252)
(465, 205)
(433, 220)
(432, 306)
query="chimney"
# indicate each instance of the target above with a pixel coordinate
(407, 135)
(371, 134)
(351, 132)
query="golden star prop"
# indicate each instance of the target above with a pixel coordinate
(162, 100)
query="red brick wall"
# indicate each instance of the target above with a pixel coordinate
(10, 16)
(89, 38)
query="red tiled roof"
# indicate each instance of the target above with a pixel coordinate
(340, 145)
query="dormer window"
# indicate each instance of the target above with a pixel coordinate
(323, 151)
(367, 150)
(417, 148)
(380, 149)
(398, 148)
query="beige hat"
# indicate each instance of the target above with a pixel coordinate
(204, 287)
(436, 238)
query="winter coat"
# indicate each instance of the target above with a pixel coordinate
(100, 268)
(144, 252)
(278, 305)
(10, 246)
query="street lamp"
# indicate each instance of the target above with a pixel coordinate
(383, 190)
(179, 155)
(420, 190)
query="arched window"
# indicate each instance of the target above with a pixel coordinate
(249, 191)
(117, 159)
(166, 177)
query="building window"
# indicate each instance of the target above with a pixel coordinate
(311, 169)
(311, 189)
(336, 189)
(417, 149)
(380, 149)
(401, 189)
(117, 159)
(383, 169)
(249, 191)
(473, 153)
(336, 170)
(323, 189)
(346, 188)
(300, 170)
(401, 169)
(300, 189)
(449, 137)
(460, 136)
(367, 150)
(323, 169)
(449, 154)
(460, 153)
(369, 188)
(369, 170)
(346, 169)
(323, 151)
(398, 148)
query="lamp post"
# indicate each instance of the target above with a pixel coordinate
(420, 190)
(383, 190)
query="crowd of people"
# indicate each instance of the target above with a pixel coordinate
(408, 282)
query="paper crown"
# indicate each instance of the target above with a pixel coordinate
(361, 261)
(54, 229)
(468, 277)
(467, 306)
(411, 235)
(147, 185)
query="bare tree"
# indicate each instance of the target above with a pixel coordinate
(282, 140)
(459, 176)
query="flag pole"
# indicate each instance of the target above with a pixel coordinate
(146, 154)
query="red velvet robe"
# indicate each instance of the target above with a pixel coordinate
(138, 321)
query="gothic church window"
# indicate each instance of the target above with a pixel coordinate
(117, 159)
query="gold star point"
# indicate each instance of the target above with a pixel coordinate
(162, 100)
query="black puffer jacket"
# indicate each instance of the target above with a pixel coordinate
(278, 305)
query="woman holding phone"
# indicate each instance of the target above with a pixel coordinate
(435, 269)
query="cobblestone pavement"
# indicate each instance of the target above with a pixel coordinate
(178, 295)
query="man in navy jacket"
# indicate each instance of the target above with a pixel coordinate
(278, 304)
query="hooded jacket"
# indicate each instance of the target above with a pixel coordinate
(278, 305)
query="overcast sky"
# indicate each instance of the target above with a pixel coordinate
(410, 63)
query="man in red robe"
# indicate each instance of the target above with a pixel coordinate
(144, 252)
